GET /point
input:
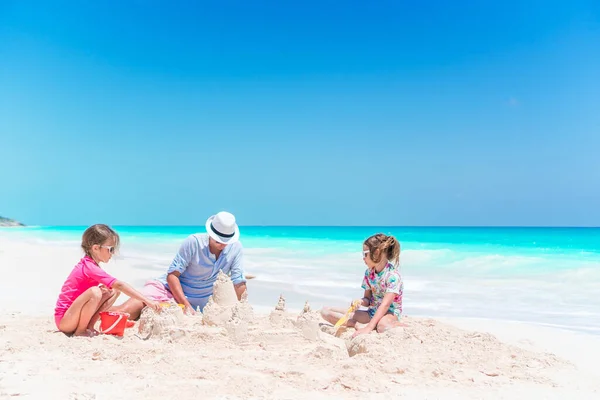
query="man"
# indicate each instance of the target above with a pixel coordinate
(192, 273)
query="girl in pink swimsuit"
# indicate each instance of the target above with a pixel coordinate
(89, 289)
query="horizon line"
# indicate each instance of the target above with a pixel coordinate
(323, 226)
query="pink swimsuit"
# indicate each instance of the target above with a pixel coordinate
(85, 274)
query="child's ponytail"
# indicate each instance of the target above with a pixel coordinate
(392, 247)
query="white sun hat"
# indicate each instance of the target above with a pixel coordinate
(222, 228)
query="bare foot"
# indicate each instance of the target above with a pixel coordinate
(87, 333)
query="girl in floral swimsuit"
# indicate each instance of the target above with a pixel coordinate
(383, 288)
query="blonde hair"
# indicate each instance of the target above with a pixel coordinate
(98, 235)
(381, 245)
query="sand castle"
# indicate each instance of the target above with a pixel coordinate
(279, 318)
(224, 310)
(423, 350)
(308, 323)
(165, 324)
(223, 305)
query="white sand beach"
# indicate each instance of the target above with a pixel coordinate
(235, 352)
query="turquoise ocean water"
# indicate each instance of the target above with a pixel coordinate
(548, 276)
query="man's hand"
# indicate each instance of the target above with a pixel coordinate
(189, 310)
(106, 292)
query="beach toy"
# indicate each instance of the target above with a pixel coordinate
(166, 304)
(346, 316)
(113, 323)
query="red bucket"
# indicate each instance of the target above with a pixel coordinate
(113, 323)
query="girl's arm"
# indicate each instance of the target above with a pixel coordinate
(366, 300)
(381, 311)
(131, 292)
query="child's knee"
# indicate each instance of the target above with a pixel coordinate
(325, 312)
(382, 327)
(385, 325)
(95, 293)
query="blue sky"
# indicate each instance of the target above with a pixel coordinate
(312, 113)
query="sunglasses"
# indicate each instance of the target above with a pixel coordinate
(111, 249)
(365, 252)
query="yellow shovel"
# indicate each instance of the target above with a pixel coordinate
(346, 316)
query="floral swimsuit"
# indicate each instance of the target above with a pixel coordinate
(380, 283)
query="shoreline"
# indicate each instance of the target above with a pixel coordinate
(51, 264)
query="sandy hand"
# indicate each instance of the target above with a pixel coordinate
(189, 310)
(106, 292)
(154, 305)
(355, 304)
(87, 333)
(361, 331)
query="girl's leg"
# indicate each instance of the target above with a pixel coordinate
(361, 317)
(333, 315)
(133, 307)
(78, 316)
(389, 321)
(109, 296)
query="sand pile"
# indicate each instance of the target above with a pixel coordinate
(224, 310)
(166, 324)
(427, 348)
(308, 322)
(223, 313)
(423, 349)
(272, 362)
(279, 318)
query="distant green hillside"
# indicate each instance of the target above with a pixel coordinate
(9, 222)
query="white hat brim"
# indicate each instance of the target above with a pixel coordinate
(221, 239)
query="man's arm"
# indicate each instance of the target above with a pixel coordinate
(179, 264)
(240, 290)
(237, 273)
(177, 291)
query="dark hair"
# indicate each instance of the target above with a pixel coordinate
(97, 234)
(383, 245)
